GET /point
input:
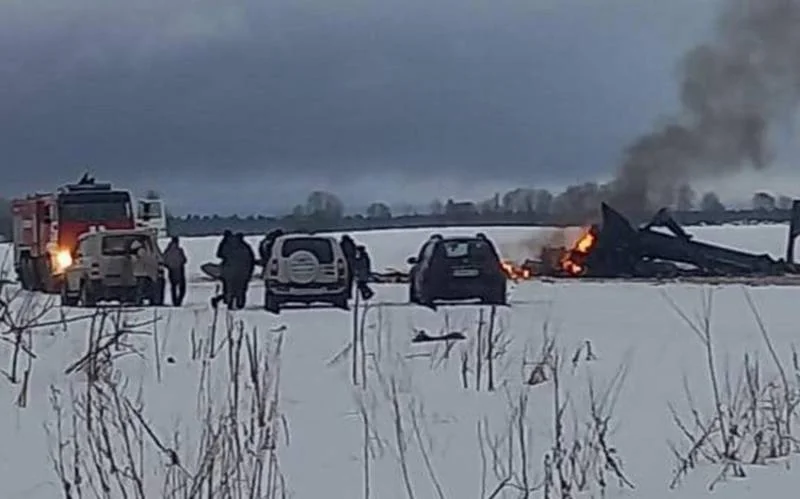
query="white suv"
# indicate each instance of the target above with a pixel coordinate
(105, 267)
(305, 268)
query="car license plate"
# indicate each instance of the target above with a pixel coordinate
(465, 273)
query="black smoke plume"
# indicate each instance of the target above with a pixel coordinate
(733, 90)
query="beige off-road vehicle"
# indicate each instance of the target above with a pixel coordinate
(115, 265)
(305, 269)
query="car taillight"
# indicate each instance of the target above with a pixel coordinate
(273, 267)
(340, 267)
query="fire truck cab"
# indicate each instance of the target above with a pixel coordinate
(151, 214)
(46, 228)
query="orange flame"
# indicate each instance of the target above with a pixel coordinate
(585, 243)
(572, 260)
(515, 272)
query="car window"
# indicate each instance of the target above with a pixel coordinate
(318, 246)
(148, 210)
(483, 250)
(456, 249)
(121, 244)
(473, 248)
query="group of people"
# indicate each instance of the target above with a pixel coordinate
(238, 262)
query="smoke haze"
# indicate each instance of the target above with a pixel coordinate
(734, 89)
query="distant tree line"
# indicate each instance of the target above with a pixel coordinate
(577, 205)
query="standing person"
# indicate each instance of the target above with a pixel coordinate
(244, 261)
(224, 244)
(145, 264)
(363, 272)
(265, 248)
(175, 261)
(349, 250)
(224, 253)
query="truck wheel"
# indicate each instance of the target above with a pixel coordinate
(26, 277)
(41, 271)
(145, 292)
(66, 299)
(88, 296)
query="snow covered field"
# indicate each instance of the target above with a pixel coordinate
(634, 329)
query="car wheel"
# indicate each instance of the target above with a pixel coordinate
(424, 298)
(271, 302)
(341, 301)
(412, 293)
(496, 296)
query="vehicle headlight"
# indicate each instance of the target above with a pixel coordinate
(63, 260)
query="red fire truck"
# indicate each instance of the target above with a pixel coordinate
(46, 228)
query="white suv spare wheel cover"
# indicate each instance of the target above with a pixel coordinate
(303, 267)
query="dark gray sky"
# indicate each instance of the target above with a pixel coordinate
(247, 105)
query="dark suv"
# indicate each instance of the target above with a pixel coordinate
(457, 268)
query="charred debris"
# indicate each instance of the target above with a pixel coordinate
(660, 249)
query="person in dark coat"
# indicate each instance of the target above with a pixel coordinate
(224, 253)
(349, 249)
(363, 271)
(175, 262)
(223, 249)
(244, 261)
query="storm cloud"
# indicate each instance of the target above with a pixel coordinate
(281, 97)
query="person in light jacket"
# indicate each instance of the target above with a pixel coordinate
(145, 264)
(265, 248)
(175, 262)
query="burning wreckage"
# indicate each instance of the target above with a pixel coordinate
(616, 249)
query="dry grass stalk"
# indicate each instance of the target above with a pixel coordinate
(581, 458)
(752, 422)
(116, 451)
